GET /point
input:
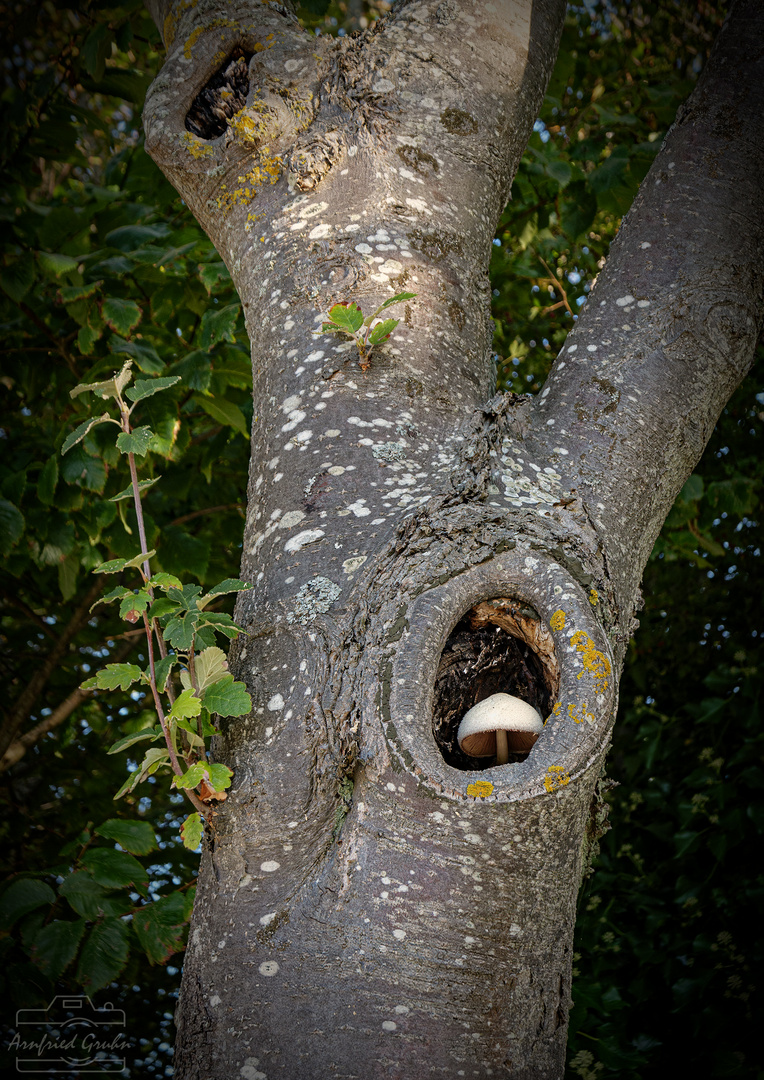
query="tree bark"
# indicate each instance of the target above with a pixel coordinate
(370, 904)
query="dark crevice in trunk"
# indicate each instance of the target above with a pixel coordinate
(223, 96)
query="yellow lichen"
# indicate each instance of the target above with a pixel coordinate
(595, 663)
(481, 789)
(557, 776)
(557, 622)
(173, 18)
(192, 39)
(195, 146)
(579, 713)
(594, 597)
(555, 711)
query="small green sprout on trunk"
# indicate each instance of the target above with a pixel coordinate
(347, 318)
(180, 630)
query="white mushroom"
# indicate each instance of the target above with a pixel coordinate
(498, 726)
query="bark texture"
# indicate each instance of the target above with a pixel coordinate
(365, 908)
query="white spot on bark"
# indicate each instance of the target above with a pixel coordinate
(622, 301)
(276, 703)
(302, 539)
(294, 517)
(320, 231)
(270, 866)
(269, 968)
(399, 935)
(267, 919)
(389, 1025)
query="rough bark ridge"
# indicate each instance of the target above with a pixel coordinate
(365, 908)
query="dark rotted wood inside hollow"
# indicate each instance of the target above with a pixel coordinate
(475, 663)
(223, 96)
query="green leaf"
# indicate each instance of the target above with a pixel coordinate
(209, 667)
(219, 326)
(193, 776)
(80, 432)
(179, 632)
(382, 331)
(692, 490)
(18, 278)
(55, 265)
(230, 585)
(137, 837)
(133, 605)
(83, 894)
(113, 566)
(163, 606)
(68, 572)
(110, 597)
(55, 946)
(131, 740)
(183, 553)
(186, 704)
(139, 560)
(191, 832)
(145, 355)
(164, 581)
(95, 49)
(347, 317)
(130, 237)
(120, 676)
(578, 209)
(220, 776)
(162, 669)
(132, 781)
(160, 926)
(22, 896)
(136, 441)
(47, 480)
(147, 387)
(104, 954)
(121, 315)
(224, 411)
(143, 485)
(69, 294)
(11, 526)
(108, 388)
(84, 470)
(116, 869)
(397, 299)
(212, 274)
(227, 698)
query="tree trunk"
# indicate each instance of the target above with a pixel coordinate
(373, 903)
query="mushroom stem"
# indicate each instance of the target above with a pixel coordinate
(502, 748)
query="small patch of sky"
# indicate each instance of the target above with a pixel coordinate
(496, 242)
(573, 277)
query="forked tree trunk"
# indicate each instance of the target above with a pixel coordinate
(370, 904)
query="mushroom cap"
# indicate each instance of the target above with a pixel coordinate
(499, 712)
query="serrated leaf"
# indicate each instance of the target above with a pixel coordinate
(80, 432)
(137, 837)
(397, 299)
(113, 566)
(132, 781)
(382, 331)
(209, 667)
(55, 946)
(161, 607)
(162, 580)
(136, 441)
(110, 597)
(22, 896)
(193, 776)
(55, 265)
(224, 411)
(191, 832)
(131, 740)
(159, 927)
(70, 294)
(186, 704)
(95, 49)
(143, 485)
(108, 388)
(347, 317)
(139, 560)
(230, 585)
(227, 698)
(104, 954)
(179, 632)
(11, 526)
(219, 326)
(83, 894)
(133, 605)
(144, 388)
(220, 776)
(120, 676)
(116, 869)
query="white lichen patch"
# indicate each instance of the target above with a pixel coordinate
(270, 866)
(269, 968)
(302, 539)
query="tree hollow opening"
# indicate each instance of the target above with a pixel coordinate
(498, 646)
(223, 96)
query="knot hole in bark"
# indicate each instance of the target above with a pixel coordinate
(223, 96)
(498, 646)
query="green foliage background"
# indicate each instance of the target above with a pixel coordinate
(100, 261)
